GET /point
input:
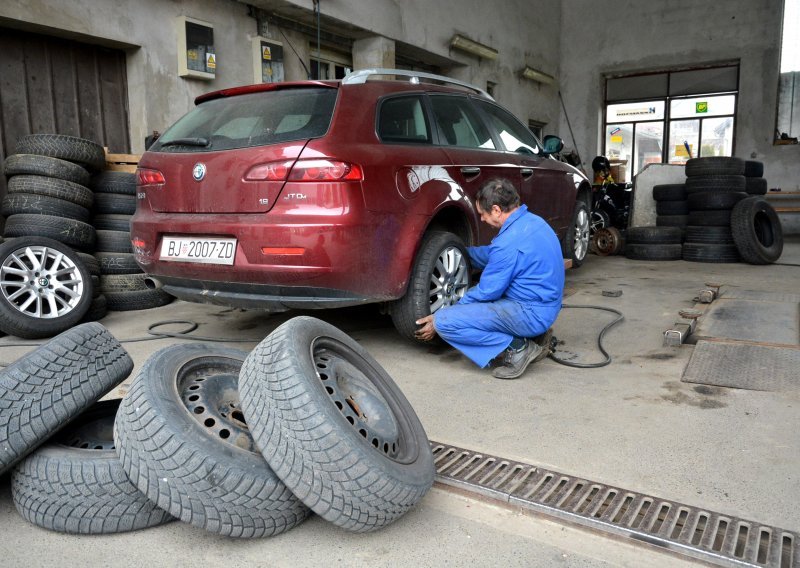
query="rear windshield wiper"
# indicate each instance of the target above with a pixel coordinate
(186, 142)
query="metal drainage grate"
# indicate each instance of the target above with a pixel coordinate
(719, 539)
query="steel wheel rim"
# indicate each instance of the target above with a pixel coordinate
(581, 244)
(209, 389)
(368, 409)
(449, 278)
(41, 282)
(94, 433)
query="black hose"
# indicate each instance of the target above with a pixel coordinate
(599, 340)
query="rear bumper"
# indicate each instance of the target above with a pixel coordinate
(259, 296)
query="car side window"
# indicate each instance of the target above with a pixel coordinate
(459, 124)
(402, 119)
(513, 134)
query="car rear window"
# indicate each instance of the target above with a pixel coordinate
(254, 119)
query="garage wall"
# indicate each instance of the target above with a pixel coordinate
(627, 36)
(145, 30)
(523, 31)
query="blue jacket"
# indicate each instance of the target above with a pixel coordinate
(523, 262)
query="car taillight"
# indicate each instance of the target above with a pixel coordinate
(313, 169)
(146, 177)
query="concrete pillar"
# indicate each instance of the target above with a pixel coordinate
(372, 52)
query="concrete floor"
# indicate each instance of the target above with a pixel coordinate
(632, 424)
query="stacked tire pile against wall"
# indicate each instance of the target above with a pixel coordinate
(49, 278)
(221, 439)
(718, 215)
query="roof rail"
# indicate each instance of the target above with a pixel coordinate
(359, 77)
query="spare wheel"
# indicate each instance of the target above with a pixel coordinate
(334, 426)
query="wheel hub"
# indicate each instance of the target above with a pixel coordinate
(359, 401)
(41, 282)
(449, 278)
(211, 395)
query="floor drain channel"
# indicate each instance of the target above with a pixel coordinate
(719, 539)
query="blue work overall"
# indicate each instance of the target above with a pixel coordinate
(519, 293)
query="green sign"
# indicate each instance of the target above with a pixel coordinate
(700, 107)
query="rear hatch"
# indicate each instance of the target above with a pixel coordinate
(222, 155)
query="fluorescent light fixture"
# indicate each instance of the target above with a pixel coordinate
(538, 76)
(473, 47)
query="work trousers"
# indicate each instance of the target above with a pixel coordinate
(482, 330)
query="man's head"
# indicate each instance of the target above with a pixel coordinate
(496, 201)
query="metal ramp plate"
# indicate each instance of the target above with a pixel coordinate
(762, 321)
(744, 366)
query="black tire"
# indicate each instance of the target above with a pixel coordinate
(712, 218)
(31, 164)
(76, 234)
(753, 169)
(709, 235)
(189, 450)
(123, 282)
(28, 203)
(714, 166)
(91, 263)
(77, 150)
(715, 183)
(575, 245)
(653, 235)
(136, 300)
(114, 203)
(45, 389)
(710, 200)
(698, 252)
(76, 484)
(653, 252)
(45, 288)
(123, 183)
(669, 192)
(109, 222)
(113, 241)
(417, 302)
(757, 231)
(117, 263)
(309, 386)
(672, 207)
(672, 220)
(97, 310)
(756, 186)
(51, 187)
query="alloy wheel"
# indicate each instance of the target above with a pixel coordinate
(449, 278)
(581, 243)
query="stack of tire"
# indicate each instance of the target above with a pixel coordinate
(672, 209)
(50, 279)
(714, 185)
(221, 439)
(122, 282)
(653, 243)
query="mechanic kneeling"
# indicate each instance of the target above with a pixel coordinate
(519, 294)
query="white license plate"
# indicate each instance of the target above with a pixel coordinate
(209, 250)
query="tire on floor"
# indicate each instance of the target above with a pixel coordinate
(700, 252)
(757, 231)
(653, 252)
(75, 483)
(47, 388)
(309, 386)
(184, 443)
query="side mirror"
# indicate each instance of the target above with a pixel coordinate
(552, 144)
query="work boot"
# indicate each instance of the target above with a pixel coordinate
(517, 360)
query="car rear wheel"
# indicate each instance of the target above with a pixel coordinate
(440, 278)
(576, 242)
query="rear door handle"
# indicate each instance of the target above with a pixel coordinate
(526, 172)
(470, 171)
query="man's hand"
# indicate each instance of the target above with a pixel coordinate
(427, 331)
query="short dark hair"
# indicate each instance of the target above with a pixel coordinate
(498, 192)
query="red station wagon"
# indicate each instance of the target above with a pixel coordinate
(321, 194)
